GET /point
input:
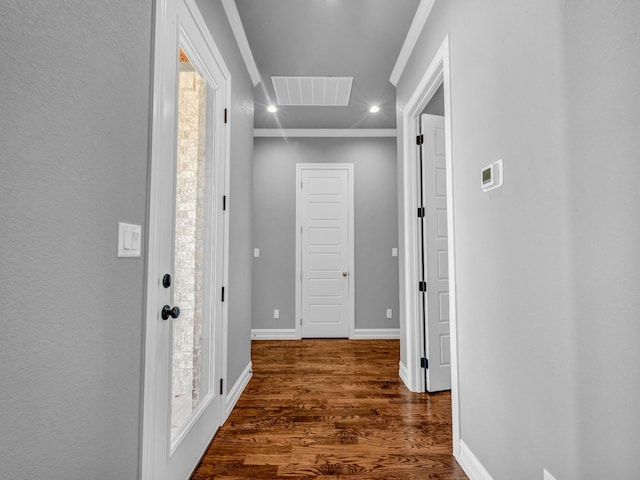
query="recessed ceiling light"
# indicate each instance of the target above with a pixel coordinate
(374, 109)
(272, 109)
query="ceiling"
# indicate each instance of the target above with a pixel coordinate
(320, 38)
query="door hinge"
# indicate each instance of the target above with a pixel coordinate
(226, 116)
(221, 386)
(301, 185)
(422, 286)
(424, 362)
(224, 203)
(421, 212)
(301, 321)
(223, 294)
(420, 139)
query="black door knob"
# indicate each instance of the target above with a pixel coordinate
(167, 312)
(166, 281)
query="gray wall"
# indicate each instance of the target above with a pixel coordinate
(375, 211)
(602, 74)
(547, 266)
(239, 198)
(74, 130)
(436, 103)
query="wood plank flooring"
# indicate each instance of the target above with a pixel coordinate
(332, 409)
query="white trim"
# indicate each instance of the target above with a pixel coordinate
(404, 374)
(471, 465)
(233, 395)
(237, 28)
(159, 106)
(298, 252)
(379, 333)
(275, 334)
(201, 24)
(437, 73)
(419, 20)
(325, 132)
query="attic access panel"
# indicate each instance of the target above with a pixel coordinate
(313, 91)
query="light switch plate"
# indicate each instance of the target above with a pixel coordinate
(129, 240)
(276, 313)
(394, 252)
(256, 252)
(389, 313)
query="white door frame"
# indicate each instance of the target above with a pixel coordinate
(167, 35)
(437, 73)
(351, 244)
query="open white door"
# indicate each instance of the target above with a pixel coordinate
(435, 254)
(187, 253)
(325, 244)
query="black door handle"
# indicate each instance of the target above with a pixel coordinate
(167, 312)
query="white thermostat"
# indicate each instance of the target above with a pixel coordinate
(491, 176)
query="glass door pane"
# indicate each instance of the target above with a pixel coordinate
(191, 250)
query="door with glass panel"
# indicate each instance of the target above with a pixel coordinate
(187, 242)
(190, 309)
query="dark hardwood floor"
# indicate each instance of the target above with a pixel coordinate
(332, 409)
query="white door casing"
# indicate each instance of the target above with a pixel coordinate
(435, 252)
(324, 250)
(179, 24)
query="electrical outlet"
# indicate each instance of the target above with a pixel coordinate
(276, 313)
(389, 313)
(256, 252)
(394, 252)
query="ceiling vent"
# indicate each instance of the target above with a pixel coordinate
(313, 91)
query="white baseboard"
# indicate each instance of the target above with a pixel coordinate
(274, 334)
(372, 333)
(404, 375)
(471, 465)
(233, 395)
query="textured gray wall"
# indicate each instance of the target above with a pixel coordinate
(74, 131)
(375, 211)
(602, 71)
(239, 200)
(547, 266)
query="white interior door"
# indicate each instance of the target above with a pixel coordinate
(436, 259)
(325, 233)
(187, 248)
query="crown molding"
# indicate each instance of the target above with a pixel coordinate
(233, 15)
(325, 132)
(419, 20)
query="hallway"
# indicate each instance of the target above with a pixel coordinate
(332, 409)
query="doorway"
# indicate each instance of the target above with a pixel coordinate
(324, 250)
(185, 357)
(436, 74)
